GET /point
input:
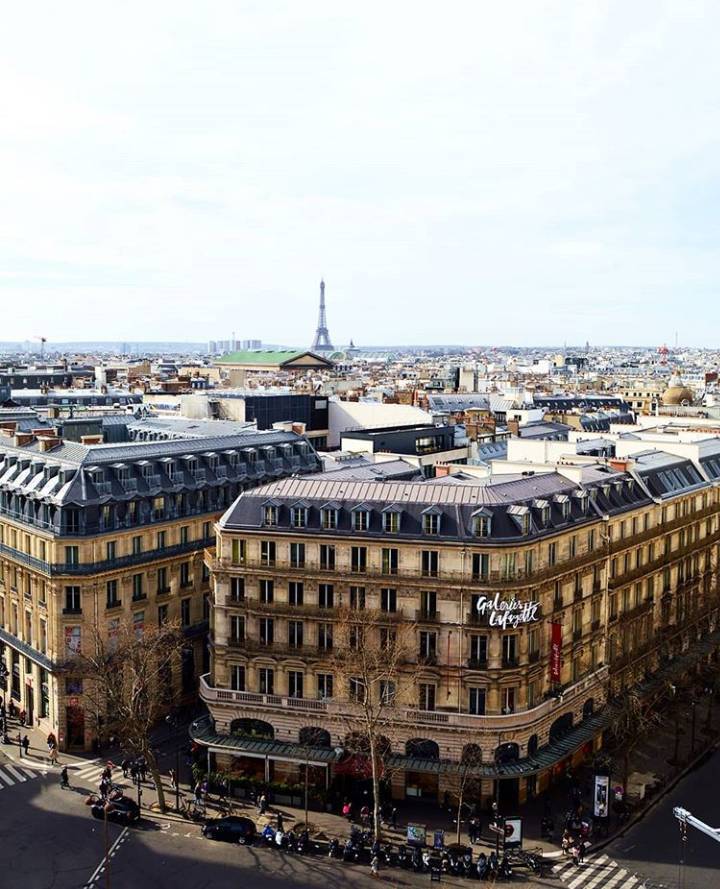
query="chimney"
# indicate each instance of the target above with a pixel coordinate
(48, 442)
(441, 471)
(514, 427)
(619, 464)
(8, 429)
(23, 438)
(91, 439)
(53, 412)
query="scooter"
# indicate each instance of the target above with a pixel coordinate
(334, 848)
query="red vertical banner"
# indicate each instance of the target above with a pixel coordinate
(555, 652)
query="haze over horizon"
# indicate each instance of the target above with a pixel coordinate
(519, 173)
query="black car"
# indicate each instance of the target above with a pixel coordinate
(230, 829)
(121, 811)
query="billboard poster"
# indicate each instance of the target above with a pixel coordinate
(72, 640)
(600, 796)
(416, 834)
(513, 833)
(555, 652)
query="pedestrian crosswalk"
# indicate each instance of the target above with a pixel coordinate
(92, 771)
(597, 873)
(13, 774)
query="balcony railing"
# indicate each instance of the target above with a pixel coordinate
(451, 718)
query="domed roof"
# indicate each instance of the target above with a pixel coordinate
(677, 395)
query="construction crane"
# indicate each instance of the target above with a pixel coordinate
(42, 340)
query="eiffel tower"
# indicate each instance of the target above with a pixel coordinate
(322, 343)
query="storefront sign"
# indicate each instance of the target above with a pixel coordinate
(600, 796)
(555, 652)
(507, 612)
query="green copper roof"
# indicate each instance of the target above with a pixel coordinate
(266, 356)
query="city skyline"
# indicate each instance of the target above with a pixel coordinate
(517, 174)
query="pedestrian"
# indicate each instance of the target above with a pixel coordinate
(198, 793)
(472, 830)
(134, 773)
(51, 741)
(280, 821)
(375, 866)
(19, 742)
(263, 803)
(64, 780)
(53, 756)
(125, 766)
(173, 779)
(365, 816)
(26, 744)
(23, 717)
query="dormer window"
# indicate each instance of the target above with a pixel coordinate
(329, 518)
(298, 516)
(582, 500)
(270, 515)
(482, 523)
(521, 515)
(391, 521)
(431, 523)
(565, 509)
(170, 469)
(361, 520)
(631, 487)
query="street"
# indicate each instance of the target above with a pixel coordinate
(50, 841)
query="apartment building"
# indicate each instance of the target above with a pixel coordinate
(94, 534)
(533, 600)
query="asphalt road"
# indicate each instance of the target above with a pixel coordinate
(652, 847)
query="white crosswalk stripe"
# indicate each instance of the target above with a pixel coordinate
(11, 775)
(596, 873)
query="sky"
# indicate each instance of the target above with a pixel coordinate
(479, 173)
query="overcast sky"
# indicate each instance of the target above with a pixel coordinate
(481, 172)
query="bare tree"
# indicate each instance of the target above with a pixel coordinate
(469, 780)
(374, 658)
(127, 681)
(631, 720)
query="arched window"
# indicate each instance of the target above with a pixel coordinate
(312, 736)
(471, 754)
(561, 727)
(532, 745)
(422, 748)
(588, 708)
(509, 752)
(252, 728)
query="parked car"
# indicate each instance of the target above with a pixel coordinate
(230, 829)
(122, 810)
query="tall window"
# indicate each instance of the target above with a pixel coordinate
(295, 684)
(237, 589)
(72, 556)
(72, 600)
(112, 593)
(328, 519)
(162, 581)
(297, 555)
(237, 629)
(295, 633)
(478, 650)
(430, 559)
(391, 522)
(431, 523)
(428, 604)
(426, 696)
(358, 559)
(185, 580)
(388, 599)
(296, 592)
(509, 650)
(267, 552)
(476, 701)
(327, 557)
(237, 677)
(185, 612)
(270, 515)
(325, 637)
(267, 591)
(266, 681)
(428, 646)
(326, 595)
(389, 560)
(480, 566)
(324, 685)
(267, 630)
(238, 548)
(357, 596)
(298, 516)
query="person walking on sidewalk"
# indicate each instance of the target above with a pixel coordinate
(64, 780)
(53, 755)
(23, 717)
(173, 779)
(26, 744)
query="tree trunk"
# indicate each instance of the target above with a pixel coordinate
(459, 810)
(155, 772)
(376, 787)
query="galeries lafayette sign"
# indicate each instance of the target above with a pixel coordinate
(507, 612)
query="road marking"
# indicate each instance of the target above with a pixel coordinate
(16, 773)
(101, 867)
(29, 772)
(6, 778)
(588, 870)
